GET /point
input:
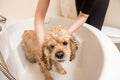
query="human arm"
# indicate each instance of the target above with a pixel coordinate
(79, 22)
(39, 17)
(84, 9)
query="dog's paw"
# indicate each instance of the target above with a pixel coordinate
(62, 72)
(31, 59)
(49, 67)
(49, 78)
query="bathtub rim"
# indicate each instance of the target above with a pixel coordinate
(111, 55)
(107, 52)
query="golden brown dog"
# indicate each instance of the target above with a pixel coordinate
(59, 45)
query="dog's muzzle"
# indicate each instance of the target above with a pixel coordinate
(59, 54)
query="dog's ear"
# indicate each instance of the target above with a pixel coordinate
(46, 57)
(74, 48)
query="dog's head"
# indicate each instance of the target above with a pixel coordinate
(59, 44)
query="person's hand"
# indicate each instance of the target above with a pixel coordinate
(39, 17)
(40, 35)
(78, 22)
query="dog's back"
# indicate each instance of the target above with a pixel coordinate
(30, 45)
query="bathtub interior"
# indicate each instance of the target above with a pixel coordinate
(87, 65)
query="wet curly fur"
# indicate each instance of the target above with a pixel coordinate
(59, 45)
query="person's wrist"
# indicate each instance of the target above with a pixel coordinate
(70, 31)
(39, 29)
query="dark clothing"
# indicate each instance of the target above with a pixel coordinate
(96, 10)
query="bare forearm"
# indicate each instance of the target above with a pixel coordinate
(40, 14)
(41, 10)
(79, 22)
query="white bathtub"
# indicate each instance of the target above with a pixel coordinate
(97, 57)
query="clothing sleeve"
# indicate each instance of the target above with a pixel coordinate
(87, 6)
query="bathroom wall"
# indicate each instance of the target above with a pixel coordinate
(113, 14)
(24, 9)
(17, 9)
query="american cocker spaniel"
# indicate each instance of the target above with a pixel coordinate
(59, 46)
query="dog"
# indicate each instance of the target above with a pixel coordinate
(59, 46)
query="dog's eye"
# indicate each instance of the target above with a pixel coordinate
(52, 46)
(65, 43)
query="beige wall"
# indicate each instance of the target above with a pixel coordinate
(24, 9)
(17, 9)
(113, 14)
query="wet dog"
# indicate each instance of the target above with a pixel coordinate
(59, 46)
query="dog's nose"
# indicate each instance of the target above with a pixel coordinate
(59, 54)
